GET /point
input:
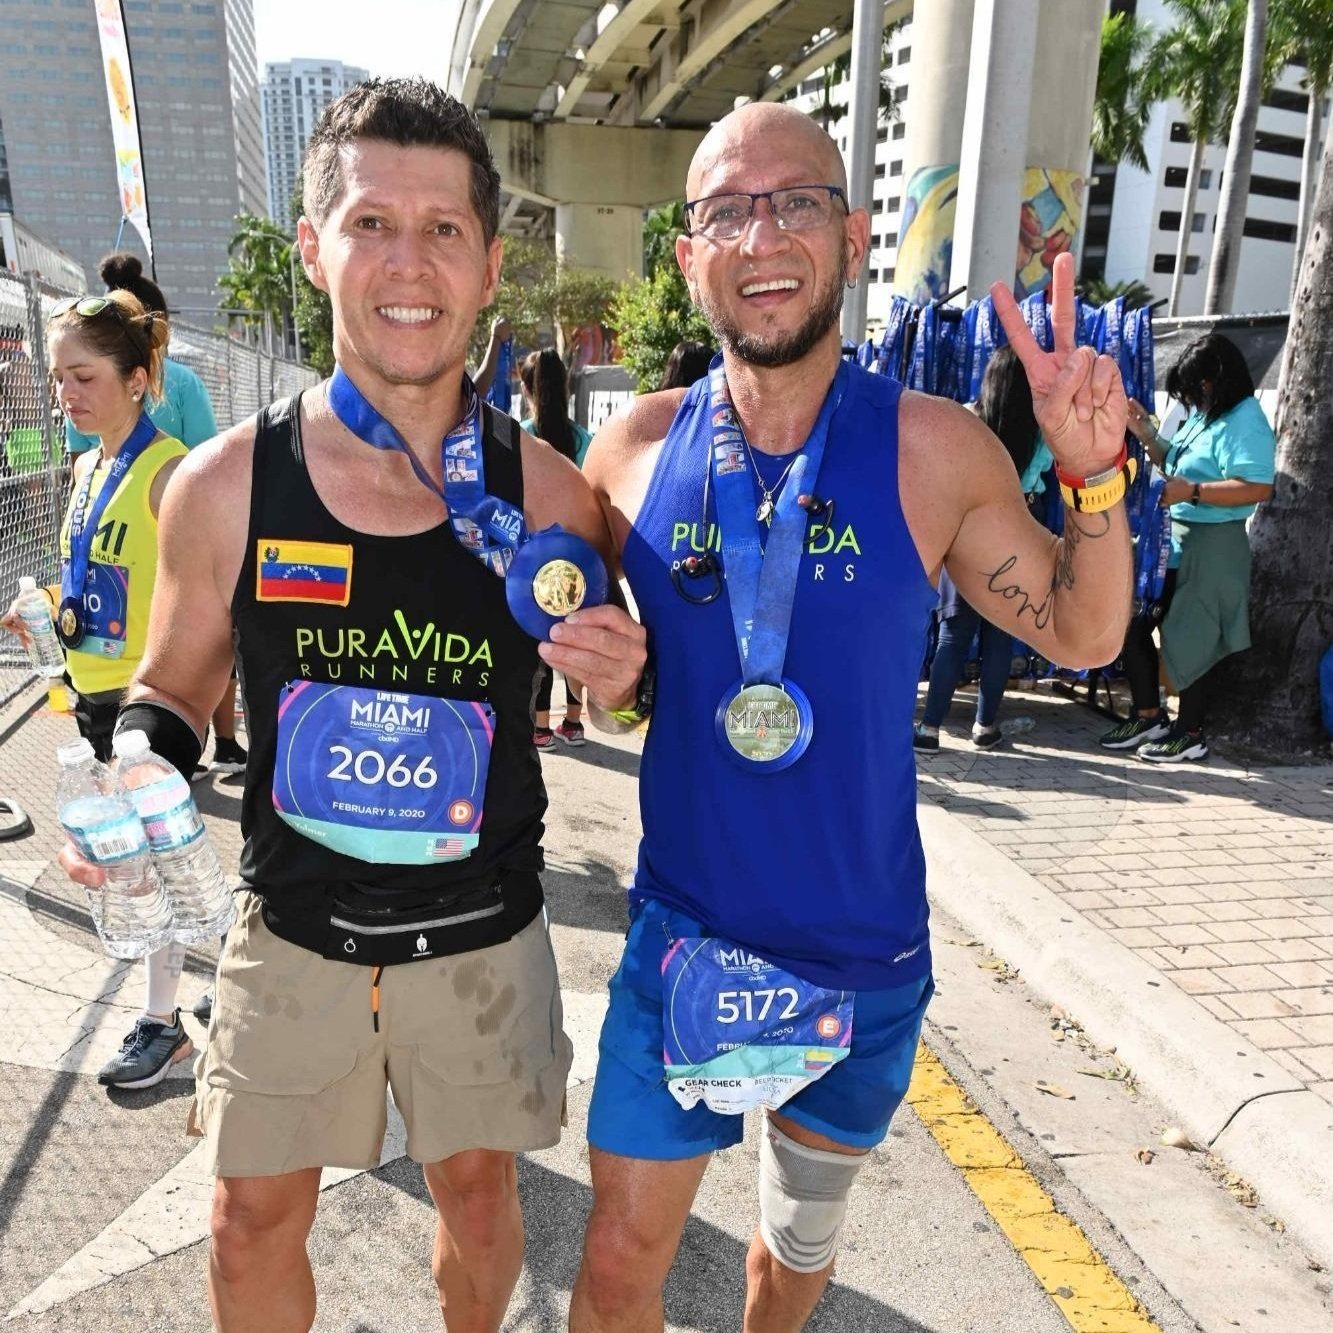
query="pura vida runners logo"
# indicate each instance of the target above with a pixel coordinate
(835, 549)
(396, 652)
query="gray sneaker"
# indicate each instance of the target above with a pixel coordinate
(147, 1054)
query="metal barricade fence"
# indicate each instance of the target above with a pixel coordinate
(34, 465)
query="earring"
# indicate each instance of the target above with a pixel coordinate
(851, 285)
(135, 396)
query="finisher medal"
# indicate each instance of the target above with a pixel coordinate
(554, 573)
(547, 574)
(71, 621)
(768, 725)
(764, 722)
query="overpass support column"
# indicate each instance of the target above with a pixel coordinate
(606, 238)
(1034, 135)
(994, 147)
(598, 178)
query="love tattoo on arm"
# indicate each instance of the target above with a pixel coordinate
(1091, 526)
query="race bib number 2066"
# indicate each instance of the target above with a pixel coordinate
(390, 778)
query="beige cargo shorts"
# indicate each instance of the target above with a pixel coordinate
(294, 1072)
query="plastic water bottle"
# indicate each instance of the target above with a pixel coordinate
(130, 909)
(44, 650)
(201, 903)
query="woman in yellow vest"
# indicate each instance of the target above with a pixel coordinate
(106, 355)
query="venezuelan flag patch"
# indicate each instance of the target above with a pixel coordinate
(288, 571)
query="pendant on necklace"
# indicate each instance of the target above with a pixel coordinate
(765, 511)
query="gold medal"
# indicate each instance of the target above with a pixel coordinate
(559, 587)
(69, 622)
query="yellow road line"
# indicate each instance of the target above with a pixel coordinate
(1074, 1275)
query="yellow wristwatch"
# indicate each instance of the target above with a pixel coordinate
(1102, 490)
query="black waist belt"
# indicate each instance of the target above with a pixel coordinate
(352, 928)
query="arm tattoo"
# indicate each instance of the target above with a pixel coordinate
(1063, 576)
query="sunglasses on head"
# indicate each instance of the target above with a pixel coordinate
(86, 306)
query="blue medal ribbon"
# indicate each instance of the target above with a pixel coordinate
(490, 528)
(761, 577)
(83, 523)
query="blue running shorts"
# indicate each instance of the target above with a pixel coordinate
(634, 1115)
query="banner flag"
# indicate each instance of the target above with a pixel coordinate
(124, 118)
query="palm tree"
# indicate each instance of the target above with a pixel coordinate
(1097, 291)
(840, 70)
(258, 276)
(1221, 290)
(1303, 30)
(1121, 109)
(1198, 62)
(1269, 697)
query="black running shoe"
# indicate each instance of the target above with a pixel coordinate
(228, 756)
(1136, 731)
(925, 738)
(1180, 747)
(986, 738)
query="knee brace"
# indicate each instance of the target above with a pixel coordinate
(802, 1199)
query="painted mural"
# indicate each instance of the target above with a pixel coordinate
(1048, 222)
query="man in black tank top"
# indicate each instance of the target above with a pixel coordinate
(390, 926)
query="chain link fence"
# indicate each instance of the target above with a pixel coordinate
(34, 466)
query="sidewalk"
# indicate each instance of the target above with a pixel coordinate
(1183, 915)
(1219, 877)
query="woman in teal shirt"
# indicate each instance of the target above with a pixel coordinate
(1219, 465)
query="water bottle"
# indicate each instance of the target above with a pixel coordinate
(130, 909)
(44, 650)
(201, 903)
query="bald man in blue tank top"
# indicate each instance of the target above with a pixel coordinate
(782, 525)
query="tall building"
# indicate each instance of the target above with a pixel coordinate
(890, 135)
(1135, 216)
(195, 82)
(6, 198)
(295, 95)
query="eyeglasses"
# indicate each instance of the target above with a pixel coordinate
(86, 306)
(723, 217)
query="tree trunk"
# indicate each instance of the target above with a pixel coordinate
(1268, 698)
(1186, 219)
(1221, 293)
(1314, 122)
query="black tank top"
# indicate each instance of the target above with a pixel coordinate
(463, 645)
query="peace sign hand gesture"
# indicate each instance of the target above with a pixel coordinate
(1078, 396)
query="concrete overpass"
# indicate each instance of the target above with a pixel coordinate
(594, 109)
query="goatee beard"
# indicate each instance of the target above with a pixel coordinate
(771, 353)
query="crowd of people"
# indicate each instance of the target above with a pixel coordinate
(769, 681)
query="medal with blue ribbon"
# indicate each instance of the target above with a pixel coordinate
(71, 619)
(547, 574)
(765, 721)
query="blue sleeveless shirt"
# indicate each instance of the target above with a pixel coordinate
(818, 867)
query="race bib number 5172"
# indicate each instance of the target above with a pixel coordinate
(740, 1032)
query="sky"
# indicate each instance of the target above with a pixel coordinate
(385, 37)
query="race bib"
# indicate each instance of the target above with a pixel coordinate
(396, 779)
(740, 1033)
(106, 600)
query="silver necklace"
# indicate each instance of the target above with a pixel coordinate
(770, 493)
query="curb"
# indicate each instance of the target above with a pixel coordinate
(1223, 1090)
